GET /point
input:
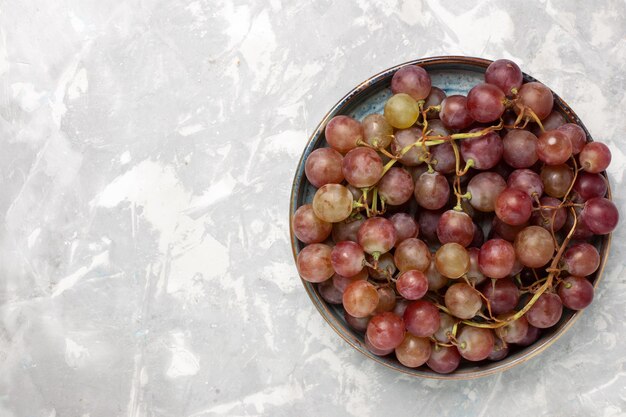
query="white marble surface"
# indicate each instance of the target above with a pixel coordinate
(148, 148)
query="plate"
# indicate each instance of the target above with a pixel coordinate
(455, 75)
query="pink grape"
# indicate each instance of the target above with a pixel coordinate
(314, 263)
(343, 133)
(435, 98)
(307, 227)
(595, 157)
(473, 274)
(404, 138)
(347, 258)
(436, 281)
(362, 167)
(386, 267)
(514, 331)
(376, 235)
(357, 323)
(412, 284)
(428, 221)
(443, 158)
(532, 335)
(556, 179)
(376, 351)
(553, 121)
(341, 283)
(386, 299)
(500, 350)
(329, 293)
(576, 293)
(446, 323)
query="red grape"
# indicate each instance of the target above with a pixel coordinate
(543, 217)
(496, 258)
(546, 311)
(479, 237)
(513, 207)
(404, 138)
(323, 166)
(505, 231)
(536, 97)
(595, 157)
(520, 148)
(514, 331)
(531, 335)
(412, 253)
(412, 284)
(411, 80)
(343, 132)
(421, 318)
(360, 299)
(474, 343)
(581, 259)
(446, 323)
(443, 158)
(357, 323)
(385, 330)
(600, 215)
(346, 230)
(347, 258)
(590, 185)
(432, 190)
(386, 299)
(484, 189)
(473, 274)
(503, 295)
(413, 351)
(435, 98)
(376, 235)
(554, 147)
(576, 136)
(428, 221)
(396, 186)
(454, 113)
(329, 293)
(443, 359)
(362, 167)
(500, 350)
(386, 267)
(376, 351)
(377, 131)
(455, 226)
(307, 227)
(436, 281)
(504, 74)
(575, 292)
(485, 150)
(405, 225)
(463, 301)
(314, 263)
(452, 260)
(341, 283)
(527, 181)
(485, 102)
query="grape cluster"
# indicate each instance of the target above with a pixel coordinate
(453, 227)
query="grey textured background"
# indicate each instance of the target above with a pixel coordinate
(147, 152)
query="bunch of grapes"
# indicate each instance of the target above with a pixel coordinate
(455, 227)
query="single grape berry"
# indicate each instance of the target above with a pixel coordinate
(504, 74)
(343, 133)
(485, 102)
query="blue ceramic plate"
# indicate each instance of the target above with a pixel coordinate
(455, 75)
